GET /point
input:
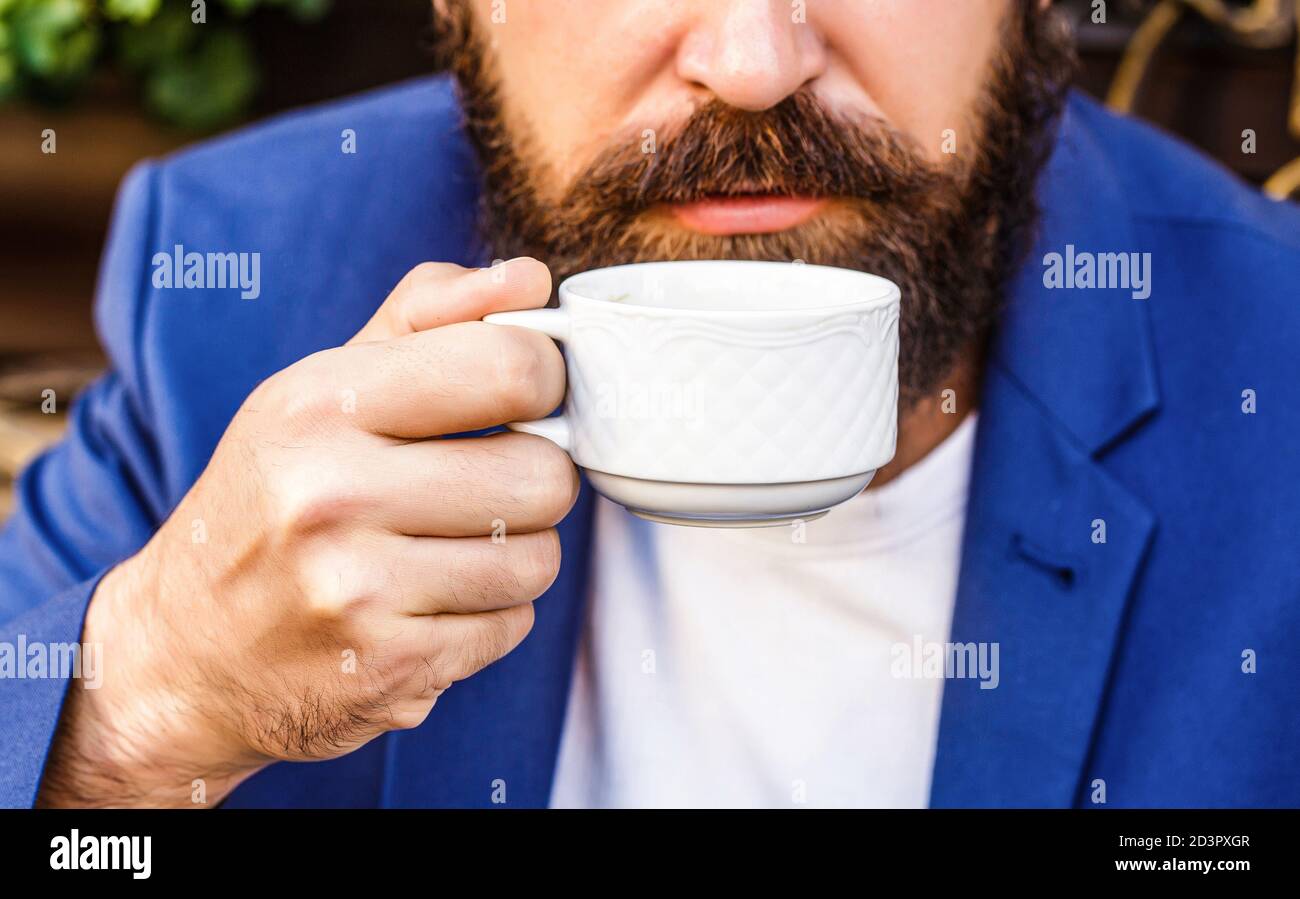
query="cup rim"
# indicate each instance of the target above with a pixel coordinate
(887, 292)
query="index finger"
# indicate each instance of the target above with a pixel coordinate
(462, 377)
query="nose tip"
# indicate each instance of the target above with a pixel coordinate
(751, 54)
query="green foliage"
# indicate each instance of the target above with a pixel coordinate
(134, 11)
(210, 85)
(8, 65)
(53, 41)
(191, 59)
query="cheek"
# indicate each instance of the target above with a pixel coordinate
(572, 73)
(921, 63)
(576, 73)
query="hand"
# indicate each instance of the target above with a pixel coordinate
(333, 570)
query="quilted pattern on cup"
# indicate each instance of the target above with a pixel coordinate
(732, 401)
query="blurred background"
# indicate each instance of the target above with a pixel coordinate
(116, 81)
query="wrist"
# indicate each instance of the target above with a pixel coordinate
(139, 737)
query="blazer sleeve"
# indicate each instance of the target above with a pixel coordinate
(87, 503)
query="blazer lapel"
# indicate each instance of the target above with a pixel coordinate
(1034, 584)
(1071, 373)
(492, 739)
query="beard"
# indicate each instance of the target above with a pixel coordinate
(950, 235)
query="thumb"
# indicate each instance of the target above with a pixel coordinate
(434, 294)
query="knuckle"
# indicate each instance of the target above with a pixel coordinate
(417, 289)
(527, 618)
(435, 678)
(540, 564)
(410, 716)
(519, 371)
(461, 659)
(335, 608)
(430, 274)
(495, 635)
(312, 500)
(298, 398)
(430, 672)
(335, 588)
(553, 483)
(503, 633)
(519, 623)
(489, 644)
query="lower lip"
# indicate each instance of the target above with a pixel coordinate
(746, 215)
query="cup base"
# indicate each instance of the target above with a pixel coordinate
(727, 505)
(761, 522)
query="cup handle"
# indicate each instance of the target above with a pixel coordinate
(554, 323)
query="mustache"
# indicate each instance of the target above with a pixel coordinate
(796, 148)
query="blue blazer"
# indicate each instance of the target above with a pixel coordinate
(1163, 662)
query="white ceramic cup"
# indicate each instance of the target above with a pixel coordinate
(724, 393)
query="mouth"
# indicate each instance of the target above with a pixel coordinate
(746, 213)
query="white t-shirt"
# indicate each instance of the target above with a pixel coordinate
(743, 668)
